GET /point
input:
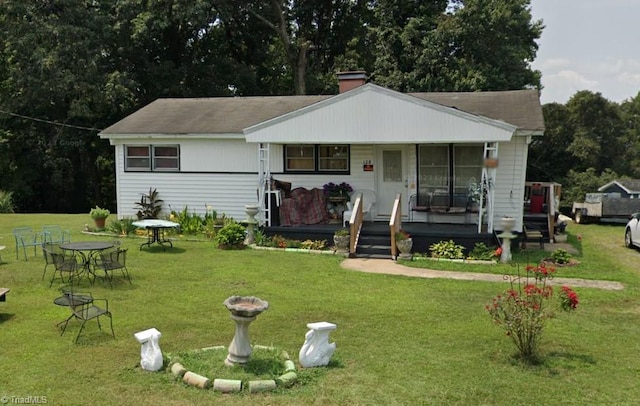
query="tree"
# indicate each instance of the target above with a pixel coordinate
(465, 45)
(598, 133)
(308, 36)
(53, 88)
(549, 158)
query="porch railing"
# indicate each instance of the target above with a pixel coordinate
(355, 224)
(395, 224)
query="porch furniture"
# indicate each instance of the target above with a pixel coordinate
(368, 205)
(86, 251)
(111, 261)
(26, 237)
(47, 249)
(419, 202)
(62, 265)
(3, 294)
(64, 301)
(439, 203)
(304, 207)
(55, 234)
(83, 308)
(530, 234)
(157, 229)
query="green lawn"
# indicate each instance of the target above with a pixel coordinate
(400, 341)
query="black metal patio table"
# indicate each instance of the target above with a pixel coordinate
(86, 251)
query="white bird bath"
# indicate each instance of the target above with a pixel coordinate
(244, 310)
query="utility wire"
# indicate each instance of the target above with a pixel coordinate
(40, 120)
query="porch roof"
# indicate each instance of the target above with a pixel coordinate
(229, 116)
(373, 114)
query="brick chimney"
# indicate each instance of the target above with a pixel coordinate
(351, 80)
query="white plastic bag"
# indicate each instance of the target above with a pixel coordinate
(150, 354)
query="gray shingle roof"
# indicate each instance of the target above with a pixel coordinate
(518, 107)
(633, 185)
(220, 115)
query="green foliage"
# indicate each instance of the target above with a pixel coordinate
(231, 235)
(314, 244)
(6, 202)
(581, 183)
(190, 223)
(99, 213)
(447, 250)
(121, 227)
(561, 256)
(482, 252)
(342, 232)
(585, 349)
(524, 308)
(149, 205)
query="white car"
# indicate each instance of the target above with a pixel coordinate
(632, 231)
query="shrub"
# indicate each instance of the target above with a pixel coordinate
(447, 249)
(561, 256)
(6, 202)
(231, 235)
(524, 308)
(190, 223)
(314, 244)
(121, 227)
(482, 252)
(342, 232)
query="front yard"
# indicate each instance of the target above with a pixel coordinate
(399, 340)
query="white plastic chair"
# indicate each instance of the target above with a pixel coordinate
(368, 205)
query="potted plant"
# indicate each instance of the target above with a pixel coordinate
(99, 216)
(341, 240)
(337, 191)
(404, 243)
(149, 206)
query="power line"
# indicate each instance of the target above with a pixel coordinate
(40, 120)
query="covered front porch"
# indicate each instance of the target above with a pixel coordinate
(375, 240)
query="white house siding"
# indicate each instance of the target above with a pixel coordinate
(371, 114)
(221, 155)
(509, 183)
(358, 178)
(221, 174)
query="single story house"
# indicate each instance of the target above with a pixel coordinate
(222, 152)
(626, 188)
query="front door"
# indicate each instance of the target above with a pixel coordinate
(391, 178)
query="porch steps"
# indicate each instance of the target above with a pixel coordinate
(373, 244)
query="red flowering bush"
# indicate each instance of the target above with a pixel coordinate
(523, 309)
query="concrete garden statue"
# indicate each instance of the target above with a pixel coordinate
(316, 350)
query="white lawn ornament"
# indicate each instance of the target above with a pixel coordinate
(316, 350)
(150, 353)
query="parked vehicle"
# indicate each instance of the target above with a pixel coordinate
(604, 207)
(632, 231)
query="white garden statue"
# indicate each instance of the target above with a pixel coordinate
(150, 354)
(316, 350)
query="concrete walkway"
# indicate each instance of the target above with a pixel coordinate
(387, 266)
